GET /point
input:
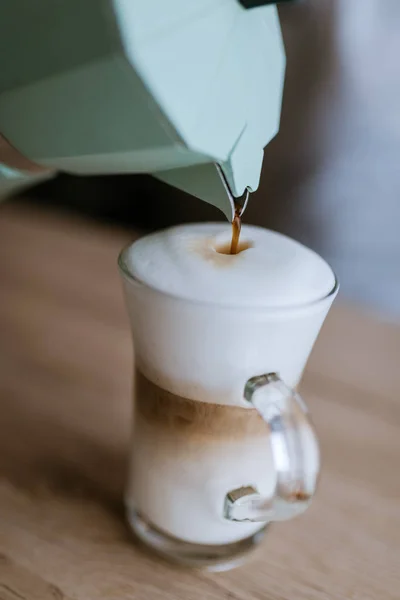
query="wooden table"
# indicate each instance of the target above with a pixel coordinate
(65, 362)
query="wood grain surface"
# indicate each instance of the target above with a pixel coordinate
(65, 369)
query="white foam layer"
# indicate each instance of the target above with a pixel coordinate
(274, 271)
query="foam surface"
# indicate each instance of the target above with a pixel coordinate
(274, 271)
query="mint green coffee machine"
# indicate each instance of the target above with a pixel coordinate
(168, 87)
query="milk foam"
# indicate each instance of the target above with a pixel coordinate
(275, 271)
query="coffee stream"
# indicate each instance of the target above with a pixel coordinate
(236, 227)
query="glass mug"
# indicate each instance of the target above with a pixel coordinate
(222, 443)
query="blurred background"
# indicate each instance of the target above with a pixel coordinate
(331, 178)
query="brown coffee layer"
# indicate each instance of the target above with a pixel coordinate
(171, 412)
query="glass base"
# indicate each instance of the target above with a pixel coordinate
(210, 557)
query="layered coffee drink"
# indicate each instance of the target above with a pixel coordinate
(204, 323)
(186, 455)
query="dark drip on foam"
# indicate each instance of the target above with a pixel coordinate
(236, 227)
(236, 245)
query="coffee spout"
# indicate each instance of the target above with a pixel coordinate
(209, 183)
(238, 205)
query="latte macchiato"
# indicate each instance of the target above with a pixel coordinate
(204, 322)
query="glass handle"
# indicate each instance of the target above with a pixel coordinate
(294, 450)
